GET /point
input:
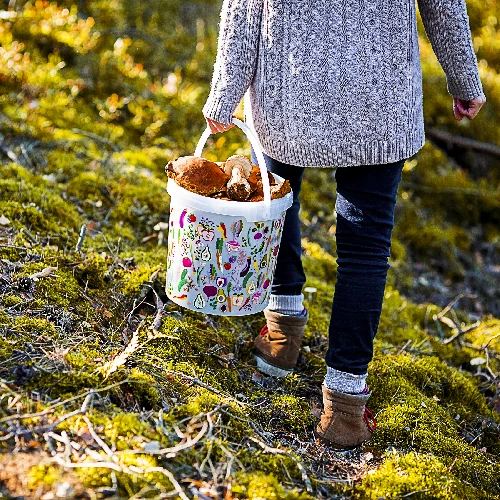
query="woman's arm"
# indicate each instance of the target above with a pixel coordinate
(447, 26)
(236, 57)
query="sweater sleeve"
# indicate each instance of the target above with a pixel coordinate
(236, 57)
(446, 24)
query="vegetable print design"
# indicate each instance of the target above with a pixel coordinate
(220, 265)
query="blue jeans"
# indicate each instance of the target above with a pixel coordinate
(366, 198)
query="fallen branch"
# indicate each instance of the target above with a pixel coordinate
(461, 332)
(492, 338)
(121, 359)
(51, 408)
(97, 138)
(171, 452)
(49, 427)
(453, 302)
(131, 469)
(29, 236)
(160, 307)
(463, 142)
(81, 237)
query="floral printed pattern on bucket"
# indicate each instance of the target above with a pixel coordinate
(221, 264)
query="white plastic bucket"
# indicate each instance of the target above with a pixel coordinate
(222, 254)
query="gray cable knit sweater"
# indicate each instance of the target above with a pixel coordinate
(337, 82)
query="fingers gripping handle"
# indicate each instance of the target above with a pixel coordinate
(254, 141)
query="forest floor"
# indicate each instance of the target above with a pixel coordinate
(109, 389)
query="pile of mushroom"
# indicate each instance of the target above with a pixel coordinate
(235, 179)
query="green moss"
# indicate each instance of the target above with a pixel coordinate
(88, 186)
(64, 165)
(32, 203)
(59, 288)
(259, 486)
(43, 475)
(151, 158)
(63, 384)
(132, 281)
(91, 272)
(318, 263)
(431, 239)
(128, 483)
(292, 412)
(417, 476)
(418, 401)
(144, 389)
(123, 425)
(11, 300)
(6, 346)
(431, 377)
(200, 401)
(31, 328)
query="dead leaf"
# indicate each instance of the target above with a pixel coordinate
(43, 274)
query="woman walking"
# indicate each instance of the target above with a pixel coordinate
(337, 84)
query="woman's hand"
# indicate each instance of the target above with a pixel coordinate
(216, 127)
(469, 109)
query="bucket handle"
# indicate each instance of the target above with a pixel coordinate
(254, 141)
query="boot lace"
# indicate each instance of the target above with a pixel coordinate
(370, 420)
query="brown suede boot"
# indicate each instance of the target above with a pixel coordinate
(277, 346)
(345, 422)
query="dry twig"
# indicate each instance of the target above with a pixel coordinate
(277, 451)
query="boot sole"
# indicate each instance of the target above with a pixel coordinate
(333, 446)
(271, 370)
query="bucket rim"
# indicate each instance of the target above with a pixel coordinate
(252, 211)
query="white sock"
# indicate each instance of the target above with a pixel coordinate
(345, 382)
(287, 304)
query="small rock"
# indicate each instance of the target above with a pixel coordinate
(4, 221)
(64, 490)
(477, 361)
(161, 226)
(152, 446)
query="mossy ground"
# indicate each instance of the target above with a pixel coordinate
(108, 390)
(194, 378)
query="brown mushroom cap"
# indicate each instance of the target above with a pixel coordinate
(238, 161)
(198, 175)
(280, 190)
(277, 191)
(256, 179)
